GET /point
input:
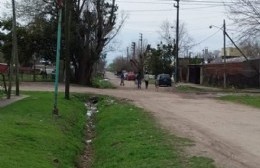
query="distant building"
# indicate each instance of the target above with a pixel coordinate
(232, 52)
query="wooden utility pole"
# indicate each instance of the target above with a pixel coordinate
(177, 42)
(224, 43)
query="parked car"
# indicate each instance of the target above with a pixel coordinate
(131, 76)
(163, 80)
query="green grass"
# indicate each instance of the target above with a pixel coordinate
(253, 101)
(189, 89)
(2, 92)
(99, 82)
(128, 137)
(38, 78)
(31, 137)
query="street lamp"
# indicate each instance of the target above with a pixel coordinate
(224, 52)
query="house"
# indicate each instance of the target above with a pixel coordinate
(232, 52)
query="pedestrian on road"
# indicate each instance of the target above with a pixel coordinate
(146, 79)
(122, 77)
(139, 80)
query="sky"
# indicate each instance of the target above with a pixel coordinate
(146, 17)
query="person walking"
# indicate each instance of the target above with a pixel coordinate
(122, 77)
(146, 79)
(139, 80)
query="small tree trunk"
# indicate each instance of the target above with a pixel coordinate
(67, 49)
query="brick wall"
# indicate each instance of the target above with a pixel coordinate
(241, 74)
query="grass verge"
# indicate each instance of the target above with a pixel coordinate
(99, 82)
(189, 89)
(253, 101)
(127, 136)
(30, 137)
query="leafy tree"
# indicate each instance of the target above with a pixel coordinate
(31, 39)
(93, 26)
(160, 60)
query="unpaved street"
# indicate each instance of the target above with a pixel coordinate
(229, 133)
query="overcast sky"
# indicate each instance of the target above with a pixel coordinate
(146, 17)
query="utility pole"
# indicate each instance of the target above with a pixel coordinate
(224, 47)
(14, 58)
(133, 48)
(141, 54)
(15, 51)
(57, 68)
(141, 40)
(127, 54)
(177, 43)
(67, 47)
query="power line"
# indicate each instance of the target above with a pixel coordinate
(201, 3)
(144, 2)
(206, 38)
(187, 2)
(150, 10)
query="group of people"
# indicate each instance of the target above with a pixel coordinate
(138, 79)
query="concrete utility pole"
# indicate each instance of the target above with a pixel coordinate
(127, 54)
(177, 43)
(57, 68)
(15, 50)
(141, 54)
(224, 47)
(14, 58)
(141, 40)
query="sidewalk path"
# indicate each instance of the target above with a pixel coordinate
(5, 102)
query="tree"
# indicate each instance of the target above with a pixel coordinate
(250, 47)
(246, 15)
(93, 26)
(31, 39)
(168, 34)
(68, 9)
(160, 60)
(120, 63)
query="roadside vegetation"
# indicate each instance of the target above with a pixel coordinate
(253, 101)
(100, 82)
(31, 137)
(38, 78)
(186, 89)
(127, 136)
(2, 93)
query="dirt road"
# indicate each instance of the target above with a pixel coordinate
(229, 133)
